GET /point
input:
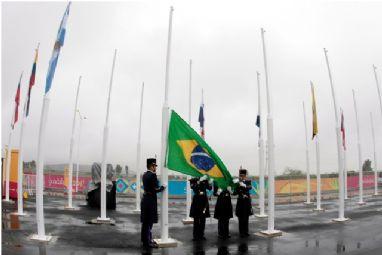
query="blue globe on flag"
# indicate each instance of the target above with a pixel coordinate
(201, 159)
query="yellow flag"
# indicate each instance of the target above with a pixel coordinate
(315, 124)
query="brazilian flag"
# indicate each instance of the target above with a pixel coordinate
(189, 154)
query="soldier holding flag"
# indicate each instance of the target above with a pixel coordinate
(243, 205)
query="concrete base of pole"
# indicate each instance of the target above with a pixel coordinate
(19, 214)
(8, 201)
(136, 211)
(318, 210)
(346, 198)
(38, 238)
(308, 203)
(166, 243)
(188, 221)
(71, 208)
(269, 233)
(361, 203)
(101, 221)
(261, 215)
(339, 220)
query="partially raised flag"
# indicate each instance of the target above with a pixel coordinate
(31, 82)
(201, 120)
(343, 130)
(56, 50)
(189, 154)
(17, 103)
(314, 111)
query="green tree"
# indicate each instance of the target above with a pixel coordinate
(366, 167)
(293, 172)
(118, 170)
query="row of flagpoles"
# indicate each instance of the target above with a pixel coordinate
(270, 166)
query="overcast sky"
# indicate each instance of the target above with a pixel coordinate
(223, 40)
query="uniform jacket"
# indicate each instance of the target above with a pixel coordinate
(200, 206)
(244, 203)
(223, 207)
(149, 207)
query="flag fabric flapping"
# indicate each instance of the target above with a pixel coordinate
(56, 50)
(17, 103)
(189, 154)
(314, 111)
(343, 130)
(31, 82)
(201, 120)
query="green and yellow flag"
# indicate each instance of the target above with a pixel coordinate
(315, 123)
(189, 154)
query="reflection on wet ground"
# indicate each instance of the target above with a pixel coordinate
(305, 232)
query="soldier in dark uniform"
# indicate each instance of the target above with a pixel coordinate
(200, 207)
(223, 210)
(244, 204)
(149, 210)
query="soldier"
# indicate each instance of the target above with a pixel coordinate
(244, 204)
(223, 210)
(200, 209)
(149, 210)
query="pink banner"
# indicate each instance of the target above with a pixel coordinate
(57, 181)
(353, 181)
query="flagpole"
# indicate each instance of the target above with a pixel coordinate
(361, 202)
(138, 160)
(345, 175)
(165, 240)
(306, 159)
(188, 219)
(20, 167)
(103, 218)
(375, 157)
(78, 148)
(341, 199)
(70, 184)
(378, 87)
(271, 161)
(9, 154)
(261, 153)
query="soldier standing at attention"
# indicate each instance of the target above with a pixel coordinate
(149, 210)
(223, 210)
(200, 209)
(244, 204)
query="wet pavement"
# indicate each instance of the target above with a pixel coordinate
(304, 231)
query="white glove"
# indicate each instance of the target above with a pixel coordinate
(236, 180)
(242, 184)
(164, 185)
(229, 189)
(203, 178)
(219, 191)
(210, 181)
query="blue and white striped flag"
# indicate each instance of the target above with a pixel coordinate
(56, 50)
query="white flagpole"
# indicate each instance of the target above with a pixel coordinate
(360, 202)
(307, 159)
(138, 160)
(103, 217)
(188, 219)
(261, 154)
(40, 173)
(341, 199)
(78, 148)
(318, 173)
(20, 171)
(69, 206)
(378, 87)
(271, 161)
(375, 157)
(165, 240)
(345, 175)
(9, 154)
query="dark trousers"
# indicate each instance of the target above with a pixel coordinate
(146, 236)
(243, 225)
(199, 226)
(223, 228)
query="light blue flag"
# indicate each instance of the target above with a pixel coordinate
(56, 50)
